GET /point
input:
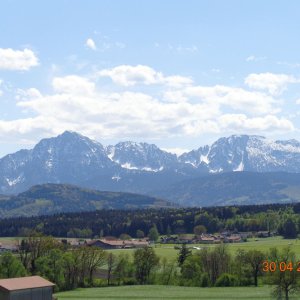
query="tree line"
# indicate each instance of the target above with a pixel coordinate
(284, 219)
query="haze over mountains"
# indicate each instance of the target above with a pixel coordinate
(144, 168)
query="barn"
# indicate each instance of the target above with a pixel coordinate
(26, 288)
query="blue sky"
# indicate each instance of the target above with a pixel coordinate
(176, 73)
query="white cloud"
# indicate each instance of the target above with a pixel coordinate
(174, 96)
(91, 44)
(240, 122)
(235, 98)
(77, 104)
(21, 60)
(74, 85)
(275, 84)
(126, 75)
(177, 81)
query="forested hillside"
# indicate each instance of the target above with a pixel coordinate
(283, 219)
(56, 198)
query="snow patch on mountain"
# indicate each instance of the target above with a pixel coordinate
(12, 182)
(128, 166)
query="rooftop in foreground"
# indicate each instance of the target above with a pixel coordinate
(23, 283)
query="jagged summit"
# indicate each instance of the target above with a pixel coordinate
(246, 153)
(141, 156)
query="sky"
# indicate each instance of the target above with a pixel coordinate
(176, 73)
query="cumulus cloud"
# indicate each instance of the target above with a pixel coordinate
(235, 98)
(91, 44)
(275, 84)
(174, 96)
(76, 103)
(240, 122)
(73, 84)
(21, 60)
(127, 75)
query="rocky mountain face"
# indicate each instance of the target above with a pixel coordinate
(141, 156)
(139, 167)
(246, 153)
(69, 157)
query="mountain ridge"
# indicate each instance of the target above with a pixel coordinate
(139, 167)
(234, 188)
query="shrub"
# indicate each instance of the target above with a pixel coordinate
(227, 280)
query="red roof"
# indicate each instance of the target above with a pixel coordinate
(23, 283)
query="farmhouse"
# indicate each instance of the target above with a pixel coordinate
(118, 244)
(26, 288)
(8, 247)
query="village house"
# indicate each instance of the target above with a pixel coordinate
(263, 234)
(118, 244)
(206, 239)
(26, 288)
(169, 239)
(9, 247)
(186, 239)
(234, 238)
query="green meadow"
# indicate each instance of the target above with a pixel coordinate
(159, 292)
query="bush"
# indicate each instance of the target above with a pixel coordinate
(129, 281)
(204, 280)
(227, 280)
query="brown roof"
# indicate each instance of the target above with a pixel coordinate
(122, 242)
(207, 238)
(24, 283)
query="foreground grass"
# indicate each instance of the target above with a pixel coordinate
(167, 292)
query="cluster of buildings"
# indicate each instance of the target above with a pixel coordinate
(223, 237)
(110, 243)
(119, 244)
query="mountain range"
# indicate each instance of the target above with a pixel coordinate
(71, 158)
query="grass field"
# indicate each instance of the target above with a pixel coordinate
(167, 292)
(263, 244)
